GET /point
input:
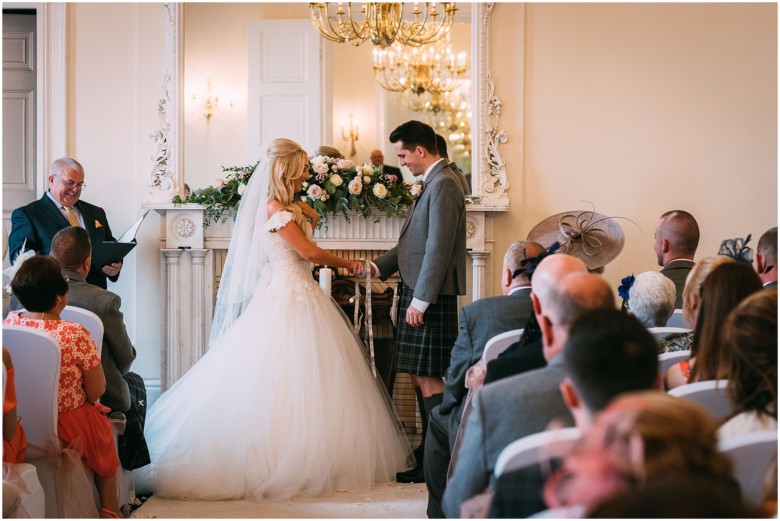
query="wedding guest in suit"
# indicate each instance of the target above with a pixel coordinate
(61, 206)
(72, 248)
(479, 322)
(441, 143)
(81, 421)
(766, 258)
(525, 404)
(599, 341)
(378, 160)
(431, 259)
(676, 240)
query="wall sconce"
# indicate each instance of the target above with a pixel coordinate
(209, 103)
(350, 135)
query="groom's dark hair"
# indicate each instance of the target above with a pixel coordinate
(415, 134)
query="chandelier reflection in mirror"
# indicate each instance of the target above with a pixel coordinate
(431, 68)
(450, 115)
(383, 22)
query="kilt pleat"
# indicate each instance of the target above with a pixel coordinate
(425, 351)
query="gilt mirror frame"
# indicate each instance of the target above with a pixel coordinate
(491, 184)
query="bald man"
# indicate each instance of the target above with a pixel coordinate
(378, 160)
(676, 240)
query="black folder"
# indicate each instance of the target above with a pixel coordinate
(108, 252)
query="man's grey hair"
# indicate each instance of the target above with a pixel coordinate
(651, 298)
(767, 245)
(65, 163)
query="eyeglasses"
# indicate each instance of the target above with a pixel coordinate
(71, 184)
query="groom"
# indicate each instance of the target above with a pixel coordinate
(431, 259)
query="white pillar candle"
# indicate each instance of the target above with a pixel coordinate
(325, 276)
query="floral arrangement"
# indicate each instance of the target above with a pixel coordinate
(336, 186)
(222, 196)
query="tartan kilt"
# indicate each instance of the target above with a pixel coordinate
(425, 351)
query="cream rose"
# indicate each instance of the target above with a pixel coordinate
(380, 190)
(336, 180)
(344, 164)
(355, 186)
(366, 180)
(218, 183)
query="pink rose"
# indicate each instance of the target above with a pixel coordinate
(314, 191)
(355, 186)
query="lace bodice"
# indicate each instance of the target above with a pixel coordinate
(278, 250)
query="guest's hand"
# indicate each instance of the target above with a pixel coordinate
(113, 269)
(414, 317)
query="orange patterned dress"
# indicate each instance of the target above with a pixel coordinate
(13, 450)
(81, 425)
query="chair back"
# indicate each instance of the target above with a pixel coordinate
(529, 450)
(712, 395)
(87, 319)
(667, 360)
(36, 356)
(676, 320)
(498, 344)
(752, 455)
(662, 332)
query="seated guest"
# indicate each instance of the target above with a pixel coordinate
(723, 289)
(14, 440)
(749, 339)
(766, 257)
(329, 151)
(378, 160)
(33, 226)
(651, 299)
(676, 240)
(479, 322)
(639, 439)
(599, 341)
(525, 404)
(73, 250)
(82, 424)
(691, 303)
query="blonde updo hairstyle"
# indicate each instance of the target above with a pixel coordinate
(288, 160)
(693, 284)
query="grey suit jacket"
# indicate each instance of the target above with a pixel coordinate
(677, 271)
(464, 183)
(479, 322)
(431, 251)
(504, 411)
(118, 352)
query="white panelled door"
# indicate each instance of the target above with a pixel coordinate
(285, 85)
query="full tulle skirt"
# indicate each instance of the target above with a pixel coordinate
(283, 404)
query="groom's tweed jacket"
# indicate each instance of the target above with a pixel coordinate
(431, 250)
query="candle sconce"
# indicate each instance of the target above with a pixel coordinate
(350, 135)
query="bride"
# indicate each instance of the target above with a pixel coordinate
(283, 403)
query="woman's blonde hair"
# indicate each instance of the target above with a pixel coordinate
(288, 161)
(693, 283)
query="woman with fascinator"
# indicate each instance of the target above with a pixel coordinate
(283, 403)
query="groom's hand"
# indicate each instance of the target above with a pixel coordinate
(414, 317)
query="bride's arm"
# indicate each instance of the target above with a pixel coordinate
(309, 212)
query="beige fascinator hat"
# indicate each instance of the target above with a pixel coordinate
(592, 237)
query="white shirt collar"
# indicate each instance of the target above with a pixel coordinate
(516, 289)
(428, 170)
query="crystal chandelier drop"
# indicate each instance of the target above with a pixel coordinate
(450, 115)
(382, 22)
(432, 69)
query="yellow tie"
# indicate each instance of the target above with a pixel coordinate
(71, 217)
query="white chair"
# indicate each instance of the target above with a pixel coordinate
(36, 356)
(667, 360)
(712, 395)
(752, 455)
(530, 450)
(33, 499)
(676, 320)
(87, 319)
(662, 332)
(498, 344)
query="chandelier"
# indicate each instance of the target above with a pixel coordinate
(450, 115)
(432, 68)
(383, 23)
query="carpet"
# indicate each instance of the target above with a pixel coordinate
(391, 501)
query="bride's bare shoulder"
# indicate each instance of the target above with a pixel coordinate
(273, 207)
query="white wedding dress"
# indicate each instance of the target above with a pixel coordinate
(282, 404)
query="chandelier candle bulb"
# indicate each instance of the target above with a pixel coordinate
(325, 277)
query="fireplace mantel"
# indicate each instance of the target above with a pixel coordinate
(191, 257)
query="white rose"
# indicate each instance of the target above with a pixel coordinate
(304, 198)
(368, 169)
(344, 164)
(318, 160)
(366, 180)
(241, 189)
(355, 186)
(380, 190)
(314, 191)
(305, 184)
(336, 180)
(218, 183)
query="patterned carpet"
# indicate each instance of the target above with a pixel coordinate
(391, 501)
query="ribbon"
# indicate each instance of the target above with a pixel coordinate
(369, 319)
